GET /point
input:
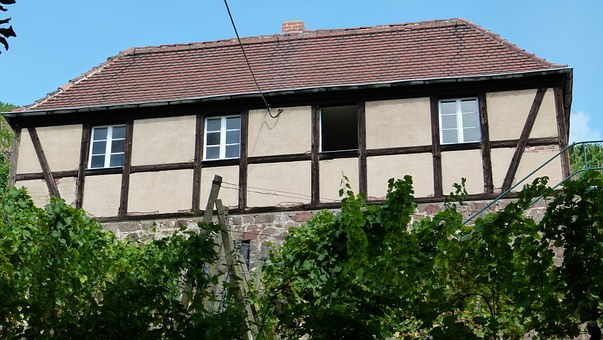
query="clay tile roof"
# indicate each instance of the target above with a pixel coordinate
(297, 60)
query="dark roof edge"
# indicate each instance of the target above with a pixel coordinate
(328, 88)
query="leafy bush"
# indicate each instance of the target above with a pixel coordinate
(366, 273)
(62, 276)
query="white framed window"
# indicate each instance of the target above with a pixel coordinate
(339, 128)
(459, 121)
(107, 147)
(222, 137)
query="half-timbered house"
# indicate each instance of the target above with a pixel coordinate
(141, 136)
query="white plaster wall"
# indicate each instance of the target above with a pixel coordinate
(331, 177)
(163, 140)
(462, 164)
(381, 168)
(508, 111)
(397, 123)
(61, 145)
(101, 195)
(279, 184)
(288, 134)
(229, 193)
(160, 192)
(532, 158)
(37, 189)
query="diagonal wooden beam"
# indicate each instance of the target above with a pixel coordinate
(523, 139)
(53, 190)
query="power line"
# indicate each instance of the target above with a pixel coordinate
(248, 64)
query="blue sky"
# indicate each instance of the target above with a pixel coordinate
(59, 40)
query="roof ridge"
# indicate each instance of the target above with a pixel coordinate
(308, 34)
(509, 45)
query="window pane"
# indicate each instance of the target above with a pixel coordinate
(470, 120)
(448, 107)
(213, 138)
(233, 123)
(119, 132)
(97, 162)
(117, 160)
(232, 151)
(469, 105)
(98, 148)
(212, 152)
(214, 124)
(449, 136)
(233, 137)
(448, 121)
(471, 135)
(117, 146)
(100, 133)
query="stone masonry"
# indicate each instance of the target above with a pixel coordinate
(266, 230)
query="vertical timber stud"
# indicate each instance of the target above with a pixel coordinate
(50, 183)
(125, 177)
(562, 130)
(523, 139)
(315, 182)
(81, 171)
(14, 157)
(243, 161)
(199, 133)
(436, 150)
(362, 175)
(486, 153)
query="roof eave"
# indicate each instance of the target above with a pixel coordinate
(327, 88)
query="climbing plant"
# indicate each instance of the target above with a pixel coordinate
(62, 276)
(369, 272)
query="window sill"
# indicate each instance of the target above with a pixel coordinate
(461, 146)
(324, 155)
(104, 171)
(219, 162)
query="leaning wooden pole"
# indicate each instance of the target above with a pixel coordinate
(233, 262)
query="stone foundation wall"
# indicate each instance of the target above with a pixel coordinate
(266, 230)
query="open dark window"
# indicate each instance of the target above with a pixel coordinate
(339, 128)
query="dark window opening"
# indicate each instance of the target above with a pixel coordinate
(245, 251)
(339, 128)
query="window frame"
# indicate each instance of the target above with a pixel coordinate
(108, 146)
(223, 130)
(320, 129)
(460, 123)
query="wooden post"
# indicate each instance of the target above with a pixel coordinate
(233, 262)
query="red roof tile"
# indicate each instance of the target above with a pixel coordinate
(309, 59)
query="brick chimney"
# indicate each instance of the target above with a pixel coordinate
(295, 26)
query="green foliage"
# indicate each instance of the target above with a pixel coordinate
(62, 276)
(586, 156)
(6, 141)
(369, 272)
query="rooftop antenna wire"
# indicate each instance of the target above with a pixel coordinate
(248, 64)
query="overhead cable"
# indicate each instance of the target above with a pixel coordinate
(249, 64)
